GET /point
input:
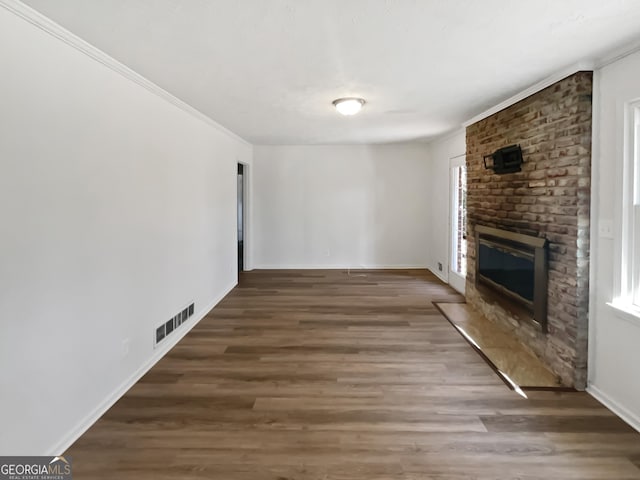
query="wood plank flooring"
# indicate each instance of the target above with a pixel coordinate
(318, 375)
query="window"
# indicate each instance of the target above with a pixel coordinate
(633, 237)
(628, 299)
(459, 220)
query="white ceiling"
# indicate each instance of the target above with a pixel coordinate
(269, 69)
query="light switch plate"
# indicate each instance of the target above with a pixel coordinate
(605, 228)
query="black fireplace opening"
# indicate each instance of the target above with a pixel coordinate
(512, 270)
(514, 266)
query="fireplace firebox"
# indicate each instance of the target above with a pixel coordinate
(514, 266)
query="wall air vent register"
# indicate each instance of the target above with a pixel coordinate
(164, 330)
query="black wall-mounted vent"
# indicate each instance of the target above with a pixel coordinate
(505, 160)
(171, 325)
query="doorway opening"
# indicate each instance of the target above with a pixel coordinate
(458, 257)
(241, 190)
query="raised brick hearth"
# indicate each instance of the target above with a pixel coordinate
(549, 198)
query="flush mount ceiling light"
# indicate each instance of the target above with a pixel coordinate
(348, 106)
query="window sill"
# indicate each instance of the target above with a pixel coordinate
(625, 312)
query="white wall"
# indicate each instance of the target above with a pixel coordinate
(614, 342)
(118, 209)
(341, 206)
(439, 188)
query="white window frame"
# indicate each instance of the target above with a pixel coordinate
(633, 236)
(456, 279)
(456, 163)
(627, 284)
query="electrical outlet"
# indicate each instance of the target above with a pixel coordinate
(439, 266)
(126, 347)
(327, 253)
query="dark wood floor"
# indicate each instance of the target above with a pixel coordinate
(317, 375)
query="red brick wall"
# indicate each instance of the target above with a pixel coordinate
(548, 198)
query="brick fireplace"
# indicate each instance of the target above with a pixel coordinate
(548, 199)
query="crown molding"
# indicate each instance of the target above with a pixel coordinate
(618, 54)
(52, 28)
(587, 65)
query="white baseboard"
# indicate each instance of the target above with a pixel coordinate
(624, 413)
(336, 267)
(77, 431)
